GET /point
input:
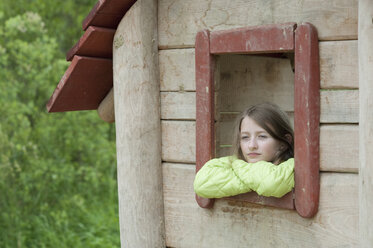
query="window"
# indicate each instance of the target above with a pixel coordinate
(279, 40)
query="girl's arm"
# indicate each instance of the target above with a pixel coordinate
(229, 176)
(266, 178)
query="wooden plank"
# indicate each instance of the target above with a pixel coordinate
(179, 21)
(107, 13)
(286, 201)
(238, 224)
(83, 86)
(176, 105)
(179, 141)
(338, 145)
(138, 129)
(339, 148)
(339, 64)
(177, 70)
(339, 106)
(177, 67)
(366, 123)
(257, 39)
(246, 80)
(95, 42)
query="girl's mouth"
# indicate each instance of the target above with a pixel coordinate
(253, 154)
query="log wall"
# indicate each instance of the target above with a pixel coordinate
(237, 224)
(138, 129)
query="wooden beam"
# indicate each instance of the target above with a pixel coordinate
(306, 120)
(366, 123)
(138, 130)
(259, 39)
(205, 131)
(107, 13)
(83, 86)
(106, 108)
(95, 42)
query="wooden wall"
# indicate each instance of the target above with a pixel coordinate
(238, 224)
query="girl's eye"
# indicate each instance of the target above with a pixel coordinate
(262, 136)
(244, 137)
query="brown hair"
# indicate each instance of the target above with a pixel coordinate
(272, 119)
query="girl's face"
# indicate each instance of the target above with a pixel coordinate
(256, 143)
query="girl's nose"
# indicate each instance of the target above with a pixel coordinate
(253, 144)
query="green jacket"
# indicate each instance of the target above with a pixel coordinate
(228, 176)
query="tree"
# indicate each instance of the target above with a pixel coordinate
(57, 171)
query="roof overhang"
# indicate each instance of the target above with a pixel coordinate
(89, 77)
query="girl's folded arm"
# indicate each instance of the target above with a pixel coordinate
(266, 178)
(217, 179)
(229, 176)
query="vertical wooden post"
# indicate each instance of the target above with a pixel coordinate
(306, 120)
(137, 114)
(205, 113)
(365, 44)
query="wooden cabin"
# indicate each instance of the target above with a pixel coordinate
(147, 51)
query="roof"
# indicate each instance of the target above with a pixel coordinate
(89, 77)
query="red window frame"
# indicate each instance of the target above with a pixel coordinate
(302, 40)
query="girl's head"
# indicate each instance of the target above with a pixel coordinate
(263, 132)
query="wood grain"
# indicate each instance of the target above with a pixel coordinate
(175, 106)
(338, 67)
(95, 42)
(83, 86)
(237, 224)
(339, 64)
(138, 129)
(366, 123)
(179, 141)
(307, 120)
(179, 20)
(254, 39)
(177, 70)
(107, 13)
(246, 80)
(339, 148)
(339, 106)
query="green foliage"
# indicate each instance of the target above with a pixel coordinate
(57, 171)
(63, 19)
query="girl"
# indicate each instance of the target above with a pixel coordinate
(263, 157)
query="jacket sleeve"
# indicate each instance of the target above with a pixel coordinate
(229, 176)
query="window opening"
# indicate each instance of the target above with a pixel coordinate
(279, 41)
